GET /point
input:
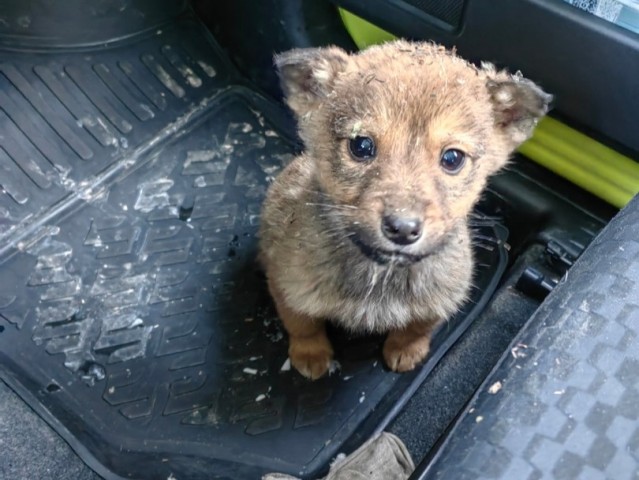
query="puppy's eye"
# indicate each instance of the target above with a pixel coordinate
(452, 161)
(362, 148)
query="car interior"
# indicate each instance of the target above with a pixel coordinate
(137, 336)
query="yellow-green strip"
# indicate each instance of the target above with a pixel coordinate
(567, 152)
(587, 163)
(362, 32)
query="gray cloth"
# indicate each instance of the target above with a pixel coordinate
(381, 458)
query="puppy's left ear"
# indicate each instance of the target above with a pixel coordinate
(307, 75)
(518, 104)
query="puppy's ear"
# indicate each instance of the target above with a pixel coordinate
(518, 104)
(307, 75)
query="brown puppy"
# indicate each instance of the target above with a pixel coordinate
(368, 228)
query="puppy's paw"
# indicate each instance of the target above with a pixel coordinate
(403, 353)
(311, 356)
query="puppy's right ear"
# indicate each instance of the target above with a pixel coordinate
(307, 75)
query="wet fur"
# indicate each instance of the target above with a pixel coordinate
(321, 245)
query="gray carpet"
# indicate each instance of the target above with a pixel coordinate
(30, 449)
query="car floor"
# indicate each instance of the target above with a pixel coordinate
(30, 448)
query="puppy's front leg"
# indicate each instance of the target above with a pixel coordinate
(405, 348)
(309, 349)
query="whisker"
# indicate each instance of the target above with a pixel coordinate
(332, 206)
(387, 276)
(344, 213)
(373, 282)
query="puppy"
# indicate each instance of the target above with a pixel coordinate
(368, 227)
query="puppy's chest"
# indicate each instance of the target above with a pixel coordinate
(380, 298)
(370, 282)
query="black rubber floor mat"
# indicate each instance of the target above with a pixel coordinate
(133, 316)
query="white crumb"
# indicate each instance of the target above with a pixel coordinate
(334, 367)
(250, 371)
(339, 458)
(518, 350)
(494, 388)
(136, 323)
(287, 366)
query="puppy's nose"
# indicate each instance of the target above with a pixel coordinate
(401, 230)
